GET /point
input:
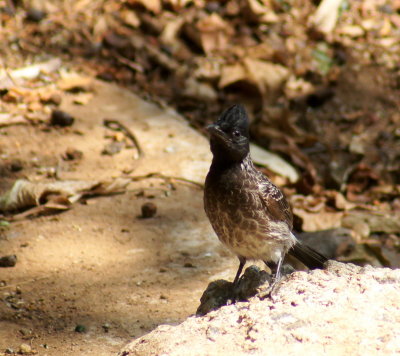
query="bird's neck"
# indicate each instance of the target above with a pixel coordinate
(222, 163)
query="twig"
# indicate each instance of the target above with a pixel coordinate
(162, 176)
(37, 210)
(24, 282)
(7, 72)
(115, 125)
(154, 52)
(125, 61)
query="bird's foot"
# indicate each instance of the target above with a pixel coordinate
(249, 283)
(270, 292)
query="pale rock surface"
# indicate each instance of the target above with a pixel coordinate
(343, 310)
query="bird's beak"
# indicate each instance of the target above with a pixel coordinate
(215, 130)
(216, 133)
(211, 128)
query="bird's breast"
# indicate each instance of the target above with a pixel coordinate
(238, 217)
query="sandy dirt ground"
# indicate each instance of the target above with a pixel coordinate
(99, 267)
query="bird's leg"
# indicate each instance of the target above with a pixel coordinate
(275, 269)
(242, 262)
(276, 275)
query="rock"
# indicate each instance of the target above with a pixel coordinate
(35, 15)
(106, 327)
(113, 148)
(52, 98)
(332, 243)
(72, 154)
(24, 349)
(61, 118)
(16, 165)
(273, 162)
(149, 210)
(221, 292)
(217, 294)
(80, 328)
(377, 221)
(189, 265)
(8, 261)
(343, 310)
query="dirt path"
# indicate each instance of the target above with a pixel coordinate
(98, 265)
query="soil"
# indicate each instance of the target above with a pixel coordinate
(99, 267)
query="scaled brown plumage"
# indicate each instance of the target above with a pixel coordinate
(249, 214)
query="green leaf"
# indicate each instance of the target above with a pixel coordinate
(324, 61)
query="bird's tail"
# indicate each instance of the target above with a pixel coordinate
(307, 255)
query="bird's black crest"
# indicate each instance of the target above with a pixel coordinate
(234, 118)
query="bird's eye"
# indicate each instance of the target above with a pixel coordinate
(236, 133)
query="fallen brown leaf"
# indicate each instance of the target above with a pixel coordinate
(266, 76)
(8, 119)
(55, 195)
(215, 33)
(83, 98)
(322, 220)
(376, 221)
(152, 5)
(9, 79)
(260, 11)
(326, 16)
(75, 82)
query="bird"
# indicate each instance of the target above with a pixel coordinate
(249, 214)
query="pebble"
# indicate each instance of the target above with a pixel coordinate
(24, 349)
(149, 210)
(55, 99)
(16, 165)
(80, 328)
(35, 15)
(8, 261)
(72, 154)
(189, 265)
(25, 332)
(61, 118)
(112, 148)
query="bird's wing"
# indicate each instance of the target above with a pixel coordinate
(274, 201)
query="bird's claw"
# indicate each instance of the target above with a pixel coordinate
(270, 291)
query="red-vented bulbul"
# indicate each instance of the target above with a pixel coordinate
(250, 215)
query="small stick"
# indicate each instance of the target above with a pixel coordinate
(115, 125)
(162, 176)
(125, 61)
(24, 282)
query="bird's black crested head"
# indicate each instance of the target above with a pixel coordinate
(230, 135)
(234, 119)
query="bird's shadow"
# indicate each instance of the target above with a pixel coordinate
(221, 292)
